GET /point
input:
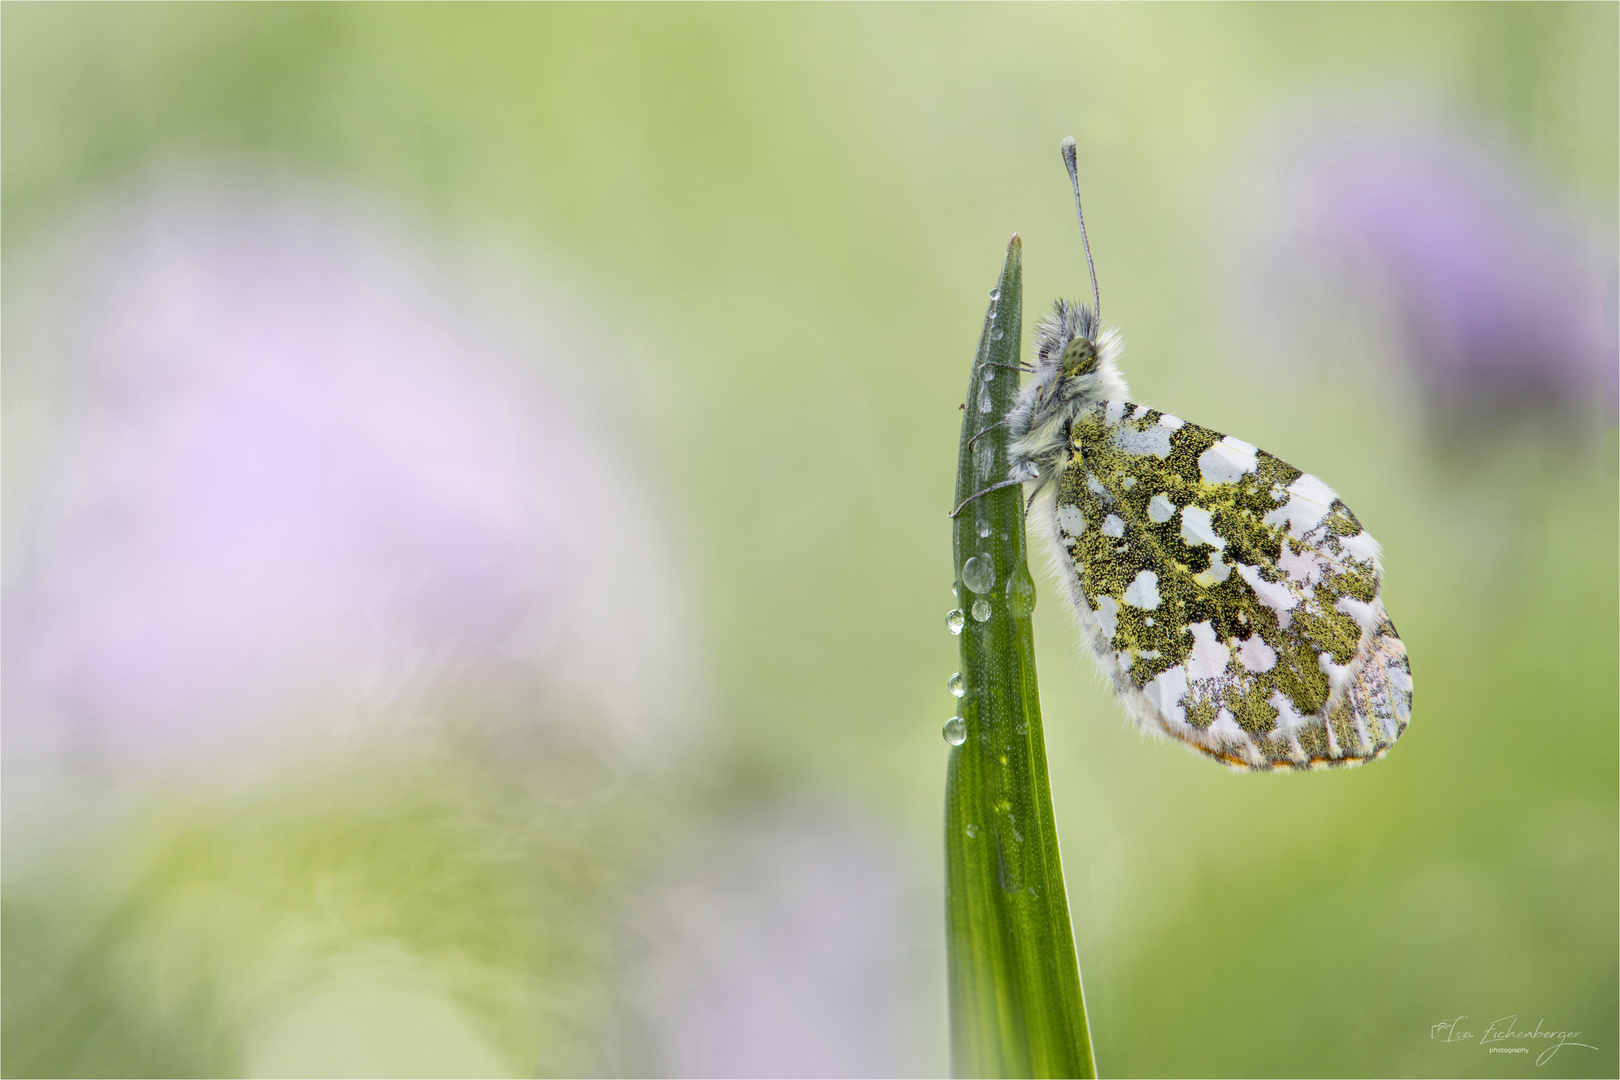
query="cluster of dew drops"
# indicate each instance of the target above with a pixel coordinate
(979, 575)
(955, 731)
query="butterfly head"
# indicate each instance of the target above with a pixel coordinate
(1073, 355)
(1079, 357)
(1075, 368)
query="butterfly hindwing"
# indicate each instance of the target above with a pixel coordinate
(1232, 599)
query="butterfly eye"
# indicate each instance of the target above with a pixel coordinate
(1079, 357)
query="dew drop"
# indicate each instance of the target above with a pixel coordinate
(996, 336)
(995, 294)
(990, 372)
(1021, 592)
(984, 528)
(955, 684)
(979, 573)
(972, 830)
(954, 620)
(981, 609)
(955, 731)
(985, 404)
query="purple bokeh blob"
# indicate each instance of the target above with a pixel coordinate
(1502, 293)
(792, 952)
(295, 472)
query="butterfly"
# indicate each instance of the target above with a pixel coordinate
(1233, 601)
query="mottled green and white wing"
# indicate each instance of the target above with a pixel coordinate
(1232, 599)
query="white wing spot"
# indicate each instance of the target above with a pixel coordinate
(1218, 572)
(1314, 489)
(1140, 411)
(1367, 616)
(1338, 674)
(1113, 412)
(1125, 660)
(1225, 728)
(1288, 718)
(1361, 547)
(1160, 510)
(1308, 503)
(1155, 441)
(1107, 615)
(1276, 596)
(1071, 521)
(1208, 657)
(1227, 461)
(1174, 423)
(1255, 655)
(1304, 567)
(1198, 528)
(1143, 591)
(1166, 691)
(1113, 525)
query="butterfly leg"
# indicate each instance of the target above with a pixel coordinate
(986, 491)
(986, 431)
(1025, 368)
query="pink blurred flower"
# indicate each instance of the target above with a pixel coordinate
(299, 474)
(1500, 295)
(791, 953)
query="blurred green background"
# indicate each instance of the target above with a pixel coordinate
(785, 220)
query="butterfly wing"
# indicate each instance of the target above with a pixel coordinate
(1233, 600)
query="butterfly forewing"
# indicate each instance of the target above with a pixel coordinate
(1233, 599)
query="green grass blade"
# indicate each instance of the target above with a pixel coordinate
(1015, 998)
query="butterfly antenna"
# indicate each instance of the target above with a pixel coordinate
(1074, 178)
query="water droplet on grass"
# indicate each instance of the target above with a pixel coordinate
(954, 620)
(955, 731)
(1021, 592)
(981, 609)
(955, 684)
(979, 573)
